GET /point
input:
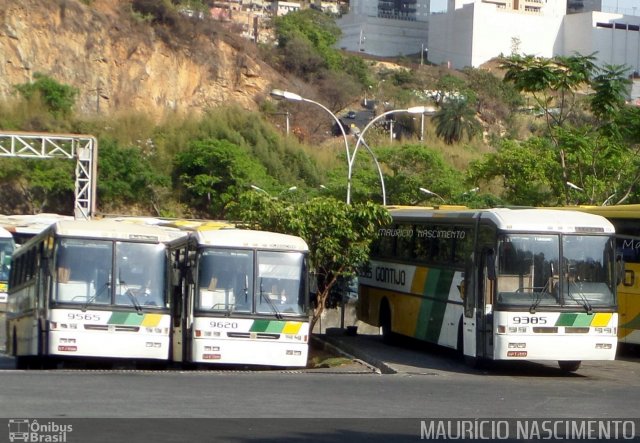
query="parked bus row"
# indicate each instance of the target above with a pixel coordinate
(497, 284)
(120, 290)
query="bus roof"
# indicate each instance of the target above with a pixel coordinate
(30, 224)
(617, 211)
(526, 219)
(245, 238)
(117, 230)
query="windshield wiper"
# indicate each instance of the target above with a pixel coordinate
(270, 302)
(132, 297)
(585, 302)
(94, 296)
(548, 287)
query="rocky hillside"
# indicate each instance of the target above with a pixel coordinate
(119, 62)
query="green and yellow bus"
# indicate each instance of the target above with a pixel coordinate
(496, 284)
(626, 220)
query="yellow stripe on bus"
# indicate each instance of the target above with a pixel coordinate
(601, 319)
(151, 320)
(419, 279)
(291, 327)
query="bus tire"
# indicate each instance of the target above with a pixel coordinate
(21, 362)
(460, 343)
(385, 323)
(569, 365)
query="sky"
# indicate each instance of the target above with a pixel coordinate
(624, 6)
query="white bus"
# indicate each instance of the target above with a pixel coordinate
(90, 289)
(7, 246)
(496, 284)
(240, 297)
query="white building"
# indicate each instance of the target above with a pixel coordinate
(385, 28)
(615, 37)
(472, 32)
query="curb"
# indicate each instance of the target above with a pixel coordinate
(353, 353)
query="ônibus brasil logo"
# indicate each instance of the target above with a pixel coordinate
(28, 430)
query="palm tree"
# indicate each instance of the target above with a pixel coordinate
(455, 118)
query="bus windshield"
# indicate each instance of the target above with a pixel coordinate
(6, 249)
(84, 273)
(226, 282)
(281, 284)
(531, 272)
(140, 274)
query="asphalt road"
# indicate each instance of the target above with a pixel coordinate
(319, 405)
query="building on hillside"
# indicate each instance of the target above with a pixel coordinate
(279, 7)
(385, 28)
(472, 32)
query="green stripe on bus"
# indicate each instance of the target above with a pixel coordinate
(633, 324)
(583, 320)
(566, 319)
(574, 320)
(432, 309)
(125, 318)
(267, 326)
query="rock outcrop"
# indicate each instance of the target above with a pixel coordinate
(119, 62)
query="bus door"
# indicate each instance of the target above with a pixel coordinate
(179, 302)
(469, 295)
(484, 314)
(479, 286)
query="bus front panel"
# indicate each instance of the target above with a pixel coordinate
(112, 334)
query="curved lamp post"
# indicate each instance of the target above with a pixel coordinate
(426, 191)
(286, 95)
(413, 110)
(290, 189)
(375, 160)
(256, 188)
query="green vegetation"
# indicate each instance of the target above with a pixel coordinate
(338, 234)
(483, 146)
(58, 98)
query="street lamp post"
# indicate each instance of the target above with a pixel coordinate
(576, 187)
(412, 110)
(428, 192)
(286, 95)
(290, 189)
(375, 159)
(256, 188)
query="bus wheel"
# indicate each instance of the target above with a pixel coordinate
(569, 365)
(385, 323)
(21, 362)
(474, 362)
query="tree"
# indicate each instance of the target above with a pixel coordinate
(313, 28)
(58, 98)
(527, 171)
(127, 178)
(553, 84)
(610, 91)
(36, 185)
(338, 235)
(414, 166)
(604, 169)
(212, 173)
(455, 118)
